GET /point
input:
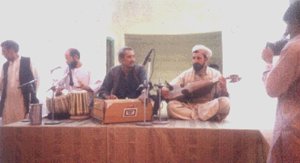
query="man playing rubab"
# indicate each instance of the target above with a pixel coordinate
(212, 104)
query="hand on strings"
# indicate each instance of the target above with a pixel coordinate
(222, 87)
(222, 83)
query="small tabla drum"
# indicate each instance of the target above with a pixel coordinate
(58, 104)
(79, 104)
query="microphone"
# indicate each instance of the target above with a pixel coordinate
(147, 57)
(30, 82)
(55, 68)
(144, 85)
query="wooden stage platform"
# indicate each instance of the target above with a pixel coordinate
(88, 141)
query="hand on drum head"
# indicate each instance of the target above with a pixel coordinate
(58, 93)
(84, 87)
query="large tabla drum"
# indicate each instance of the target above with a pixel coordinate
(58, 104)
(79, 104)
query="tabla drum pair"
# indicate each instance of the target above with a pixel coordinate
(75, 103)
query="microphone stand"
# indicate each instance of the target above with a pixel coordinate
(32, 96)
(52, 121)
(146, 95)
(160, 121)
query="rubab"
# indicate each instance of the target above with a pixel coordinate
(199, 88)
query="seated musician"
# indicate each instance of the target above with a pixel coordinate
(213, 105)
(123, 81)
(77, 76)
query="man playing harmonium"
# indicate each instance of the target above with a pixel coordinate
(122, 92)
(204, 90)
(122, 81)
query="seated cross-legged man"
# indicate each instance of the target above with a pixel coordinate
(202, 91)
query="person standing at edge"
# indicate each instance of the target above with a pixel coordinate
(282, 80)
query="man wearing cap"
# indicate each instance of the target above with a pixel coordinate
(214, 105)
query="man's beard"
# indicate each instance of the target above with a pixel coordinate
(73, 64)
(197, 66)
(130, 65)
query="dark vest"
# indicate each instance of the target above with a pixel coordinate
(25, 75)
(117, 72)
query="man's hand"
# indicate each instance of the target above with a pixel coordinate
(110, 97)
(58, 91)
(84, 87)
(222, 87)
(267, 55)
(141, 97)
(222, 83)
(165, 92)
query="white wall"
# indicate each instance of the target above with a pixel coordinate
(46, 29)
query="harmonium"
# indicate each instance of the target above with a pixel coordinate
(121, 110)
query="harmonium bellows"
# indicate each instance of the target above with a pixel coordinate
(121, 110)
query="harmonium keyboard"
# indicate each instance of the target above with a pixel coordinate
(121, 110)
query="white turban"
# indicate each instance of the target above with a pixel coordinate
(202, 47)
